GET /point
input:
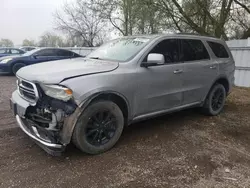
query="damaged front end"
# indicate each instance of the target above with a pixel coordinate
(49, 121)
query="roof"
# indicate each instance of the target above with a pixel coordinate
(8, 48)
(51, 48)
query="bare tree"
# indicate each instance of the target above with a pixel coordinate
(241, 18)
(79, 21)
(129, 17)
(207, 17)
(27, 42)
(6, 43)
(49, 39)
(84, 21)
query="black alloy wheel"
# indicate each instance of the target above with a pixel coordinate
(217, 99)
(101, 127)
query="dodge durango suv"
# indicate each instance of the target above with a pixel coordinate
(89, 100)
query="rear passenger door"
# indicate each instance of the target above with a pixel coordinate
(199, 70)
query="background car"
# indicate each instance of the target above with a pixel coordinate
(27, 48)
(11, 64)
(10, 51)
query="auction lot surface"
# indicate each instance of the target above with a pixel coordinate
(184, 149)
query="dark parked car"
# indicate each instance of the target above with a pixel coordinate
(11, 64)
(10, 51)
(27, 48)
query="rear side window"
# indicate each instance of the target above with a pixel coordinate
(193, 50)
(218, 49)
(14, 51)
(64, 53)
(46, 52)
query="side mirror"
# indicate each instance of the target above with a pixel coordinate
(35, 56)
(154, 59)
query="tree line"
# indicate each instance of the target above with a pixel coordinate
(90, 22)
(48, 39)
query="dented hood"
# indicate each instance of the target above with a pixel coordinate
(54, 72)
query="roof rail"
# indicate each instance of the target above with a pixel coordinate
(183, 33)
(195, 34)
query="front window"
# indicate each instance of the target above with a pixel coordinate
(31, 52)
(3, 51)
(122, 49)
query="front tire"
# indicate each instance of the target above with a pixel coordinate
(16, 67)
(215, 100)
(99, 127)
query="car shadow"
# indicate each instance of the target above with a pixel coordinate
(136, 132)
(6, 74)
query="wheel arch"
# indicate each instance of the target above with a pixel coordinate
(113, 96)
(224, 81)
(119, 99)
(16, 62)
(221, 80)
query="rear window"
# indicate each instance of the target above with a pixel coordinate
(218, 49)
(14, 51)
(193, 50)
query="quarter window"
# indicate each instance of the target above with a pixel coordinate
(218, 49)
(193, 50)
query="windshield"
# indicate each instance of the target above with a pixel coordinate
(31, 52)
(121, 49)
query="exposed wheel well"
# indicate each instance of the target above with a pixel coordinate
(17, 62)
(117, 100)
(224, 82)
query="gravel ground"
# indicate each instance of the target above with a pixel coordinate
(184, 149)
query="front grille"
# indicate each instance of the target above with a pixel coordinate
(27, 90)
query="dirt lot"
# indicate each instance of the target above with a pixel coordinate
(184, 149)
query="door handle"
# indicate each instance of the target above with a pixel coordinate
(213, 67)
(178, 71)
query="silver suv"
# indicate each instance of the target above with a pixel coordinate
(90, 100)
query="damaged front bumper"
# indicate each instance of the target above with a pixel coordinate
(52, 141)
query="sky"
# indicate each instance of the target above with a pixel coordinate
(20, 19)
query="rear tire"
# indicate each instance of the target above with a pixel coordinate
(16, 67)
(99, 127)
(215, 100)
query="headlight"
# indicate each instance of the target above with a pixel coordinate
(6, 60)
(57, 92)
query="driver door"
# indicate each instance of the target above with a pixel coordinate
(160, 86)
